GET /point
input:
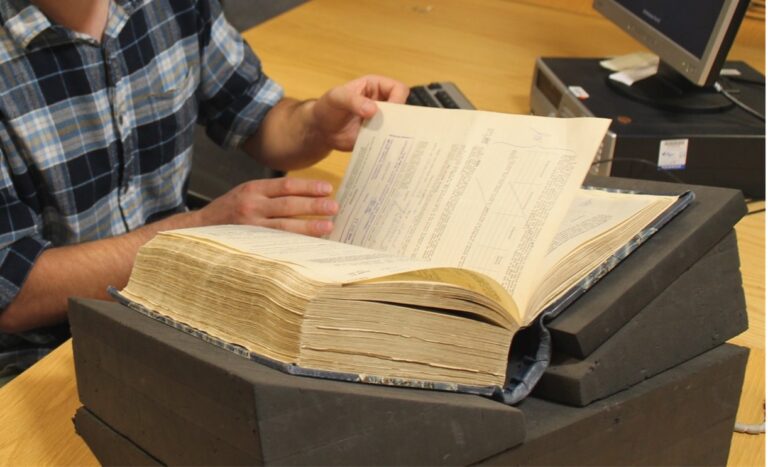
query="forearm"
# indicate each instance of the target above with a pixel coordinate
(84, 270)
(288, 139)
(297, 134)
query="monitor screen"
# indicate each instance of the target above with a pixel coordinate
(691, 37)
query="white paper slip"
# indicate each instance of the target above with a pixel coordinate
(630, 61)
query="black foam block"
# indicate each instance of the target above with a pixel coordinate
(185, 401)
(109, 446)
(648, 271)
(702, 309)
(683, 416)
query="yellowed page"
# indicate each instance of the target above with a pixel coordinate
(594, 212)
(597, 225)
(320, 259)
(332, 262)
(463, 278)
(479, 190)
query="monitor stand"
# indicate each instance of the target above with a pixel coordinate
(669, 90)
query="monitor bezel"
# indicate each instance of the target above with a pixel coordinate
(699, 71)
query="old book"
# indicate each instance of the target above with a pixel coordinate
(456, 229)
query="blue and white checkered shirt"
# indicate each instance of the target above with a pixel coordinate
(96, 138)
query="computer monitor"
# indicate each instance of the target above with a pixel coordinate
(692, 39)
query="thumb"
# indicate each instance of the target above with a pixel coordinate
(353, 101)
(366, 107)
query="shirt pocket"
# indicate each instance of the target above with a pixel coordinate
(166, 85)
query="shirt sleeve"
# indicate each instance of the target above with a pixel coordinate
(20, 239)
(234, 92)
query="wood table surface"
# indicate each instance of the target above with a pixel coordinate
(488, 48)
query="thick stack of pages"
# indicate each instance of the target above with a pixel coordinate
(457, 229)
(212, 279)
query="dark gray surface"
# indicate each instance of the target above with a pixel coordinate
(215, 170)
(109, 446)
(683, 416)
(188, 402)
(647, 272)
(244, 14)
(702, 309)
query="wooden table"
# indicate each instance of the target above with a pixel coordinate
(488, 48)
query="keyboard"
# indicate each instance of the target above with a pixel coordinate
(438, 94)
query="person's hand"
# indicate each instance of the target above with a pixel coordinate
(296, 134)
(277, 203)
(339, 113)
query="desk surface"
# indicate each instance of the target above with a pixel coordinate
(324, 43)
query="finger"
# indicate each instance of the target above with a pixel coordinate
(313, 227)
(352, 98)
(380, 88)
(398, 94)
(384, 88)
(287, 186)
(292, 206)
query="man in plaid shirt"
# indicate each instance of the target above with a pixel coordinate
(98, 102)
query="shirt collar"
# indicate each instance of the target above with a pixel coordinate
(25, 22)
(119, 12)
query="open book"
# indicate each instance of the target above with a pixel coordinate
(456, 229)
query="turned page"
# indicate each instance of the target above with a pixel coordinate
(597, 225)
(479, 190)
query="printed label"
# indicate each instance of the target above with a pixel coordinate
(579, 92)
(673, 154)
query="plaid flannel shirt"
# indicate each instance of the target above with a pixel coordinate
(96, 137)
